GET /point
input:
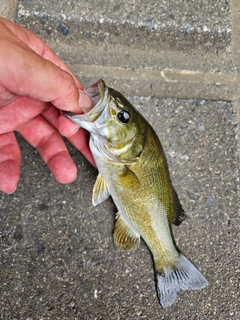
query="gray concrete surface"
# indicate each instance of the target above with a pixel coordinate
(58, 256)
(58, 260)
(162, 83)
(98, 38)
(8, 9)
(155, 35)
(177, 26)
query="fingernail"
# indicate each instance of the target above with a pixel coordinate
(73, 132)
(84, 101)
(12, 191)
(66, 127)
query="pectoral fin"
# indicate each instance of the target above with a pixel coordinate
(124, 236)
(100, 191)
(179, 213)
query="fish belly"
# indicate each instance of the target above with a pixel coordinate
(144, 214)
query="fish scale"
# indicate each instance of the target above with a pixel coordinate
(133, 170)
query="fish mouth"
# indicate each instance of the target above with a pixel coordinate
(98, 93)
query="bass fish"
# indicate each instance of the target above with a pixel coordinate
(133, 170)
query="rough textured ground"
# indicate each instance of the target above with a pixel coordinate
(183, 34)
(57, 256)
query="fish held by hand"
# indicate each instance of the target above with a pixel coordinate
(134, 171)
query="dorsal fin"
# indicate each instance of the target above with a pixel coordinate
(178, 213)
(100, 191)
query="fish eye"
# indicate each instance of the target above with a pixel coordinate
(123, 116)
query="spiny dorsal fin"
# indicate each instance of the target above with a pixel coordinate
(124, 236)
(178, 213)
(100, 191)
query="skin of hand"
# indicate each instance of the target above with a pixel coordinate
(35, 85)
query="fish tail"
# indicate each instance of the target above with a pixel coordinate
(171, 281)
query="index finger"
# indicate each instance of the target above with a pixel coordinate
(36, 71)
(38, 46)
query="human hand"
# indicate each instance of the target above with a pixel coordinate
(35, 85)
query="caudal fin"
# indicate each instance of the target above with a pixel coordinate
(185, 276)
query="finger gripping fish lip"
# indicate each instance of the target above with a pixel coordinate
(98, 92)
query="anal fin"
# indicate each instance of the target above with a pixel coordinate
(124, 236)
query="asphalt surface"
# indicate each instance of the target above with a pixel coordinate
(57, 256)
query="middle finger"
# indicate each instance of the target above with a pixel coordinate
(42, 136)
